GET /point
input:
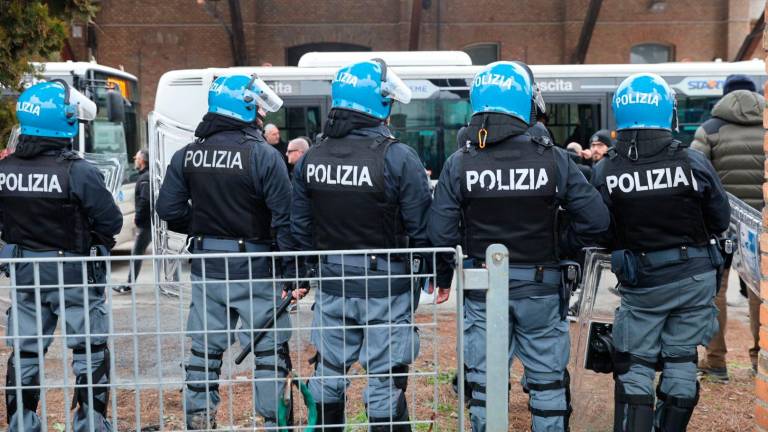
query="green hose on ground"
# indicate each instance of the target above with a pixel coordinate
(284, 408)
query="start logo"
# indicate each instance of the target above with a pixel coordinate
(711, 84)
(701, 86)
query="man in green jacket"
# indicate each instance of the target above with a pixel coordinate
(733, 140)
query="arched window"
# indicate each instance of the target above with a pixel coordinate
(294, 53)
(483, 53)
(651, 53)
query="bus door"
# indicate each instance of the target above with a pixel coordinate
(300, 117)
(574, 118)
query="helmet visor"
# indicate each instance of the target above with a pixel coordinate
(395, 88)
(86, 108)
(264, 96)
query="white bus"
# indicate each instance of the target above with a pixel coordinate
(577, 96)
(116, 131)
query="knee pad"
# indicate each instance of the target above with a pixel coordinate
(205, 386)
(317, 359)
(622, 361)
(633, 413)
(29, 397)
(674, 412)
(690, 358)
(565, 384)
(467, 385)
(283, 353)
(400, 381)
(80, 396)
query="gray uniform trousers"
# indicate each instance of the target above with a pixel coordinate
(76, 300)
(664, 322)
(379, 334)
(216, 307)
(539, 338)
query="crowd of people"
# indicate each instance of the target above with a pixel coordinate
(506, 184)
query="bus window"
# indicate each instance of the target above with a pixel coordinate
(430, 126)
(573, 122)
(692, 111)
(297, 120)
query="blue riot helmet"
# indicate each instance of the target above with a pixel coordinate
(368, 87)
(506, 88)
(645, 101)
(52, 109)
(241, 96)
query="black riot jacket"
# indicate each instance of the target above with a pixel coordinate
(225, 202)
(649, 170)
(52, 200)
(347, 191)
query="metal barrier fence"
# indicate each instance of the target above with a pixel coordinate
(153, 378)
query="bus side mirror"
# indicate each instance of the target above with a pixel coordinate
(115, 106)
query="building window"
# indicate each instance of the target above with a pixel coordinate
(294, 53)
(482, 54)
(651, 53)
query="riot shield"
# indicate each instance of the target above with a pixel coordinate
(745, 227)
(111, 167)
(593, 391)
(165, 138)
(13, 139)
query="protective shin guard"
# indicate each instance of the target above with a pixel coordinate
(633, 418)
(632, 413)
(674, 413)
(29, 397)
(537, 412)
(331, 414)
(100, 391)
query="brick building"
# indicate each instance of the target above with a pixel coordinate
(148, 37)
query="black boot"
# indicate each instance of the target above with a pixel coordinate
(674, 413)
(330, 414)
(633, 418)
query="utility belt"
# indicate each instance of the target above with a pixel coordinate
(392, 264)
(227, 245)
(626, 264)
(566, 277)
(531, 273)
(96, 269)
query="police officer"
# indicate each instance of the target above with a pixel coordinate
(239, 191)
(55, 204)
(359, 188)
(666, 201)
(505, 187)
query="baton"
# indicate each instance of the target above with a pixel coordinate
(255, 338)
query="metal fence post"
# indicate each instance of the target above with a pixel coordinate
(497, 337)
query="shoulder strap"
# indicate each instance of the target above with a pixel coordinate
(542, 143)
(612, 153)
(675, 146)
(385, 140)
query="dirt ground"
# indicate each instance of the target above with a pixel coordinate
(430, 395)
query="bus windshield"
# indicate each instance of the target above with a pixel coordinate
(430, 125)
(106, 137)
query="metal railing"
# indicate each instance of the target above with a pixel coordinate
(149, 338)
